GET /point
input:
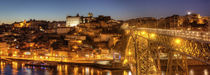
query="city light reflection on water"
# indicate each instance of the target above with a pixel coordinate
(19, 68)
(191, 72)
(195, 70)
(206, 72)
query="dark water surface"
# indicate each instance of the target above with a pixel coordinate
(19, 68)
(196, 70)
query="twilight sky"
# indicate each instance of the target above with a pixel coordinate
(18, 10)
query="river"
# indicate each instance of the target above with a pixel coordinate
(18, 68)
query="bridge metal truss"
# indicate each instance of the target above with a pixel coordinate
(146, 49)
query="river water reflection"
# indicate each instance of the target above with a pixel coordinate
(19, 68)
(196, 70)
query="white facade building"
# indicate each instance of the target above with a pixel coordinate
(73, 21)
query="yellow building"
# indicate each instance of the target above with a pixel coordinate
(22, 24)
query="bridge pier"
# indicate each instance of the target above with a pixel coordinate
(176, 65)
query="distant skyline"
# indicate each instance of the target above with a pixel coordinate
(18, 10)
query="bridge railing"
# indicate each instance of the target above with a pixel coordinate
(198, 35)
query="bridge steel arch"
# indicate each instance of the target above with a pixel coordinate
(145, 49)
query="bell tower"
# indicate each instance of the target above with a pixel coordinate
(90, 14)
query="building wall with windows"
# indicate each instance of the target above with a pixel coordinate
(73, 21)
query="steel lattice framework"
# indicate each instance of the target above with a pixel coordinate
(145, 48)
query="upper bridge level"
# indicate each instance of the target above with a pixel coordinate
(193, 35)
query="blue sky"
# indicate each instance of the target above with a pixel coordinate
(18, 10)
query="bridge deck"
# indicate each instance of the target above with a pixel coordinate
(197, 35)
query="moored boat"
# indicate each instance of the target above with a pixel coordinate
(41, 64)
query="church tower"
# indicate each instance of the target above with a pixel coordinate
(90, 14)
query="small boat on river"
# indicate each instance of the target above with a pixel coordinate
(41, 64)
(110, 65)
